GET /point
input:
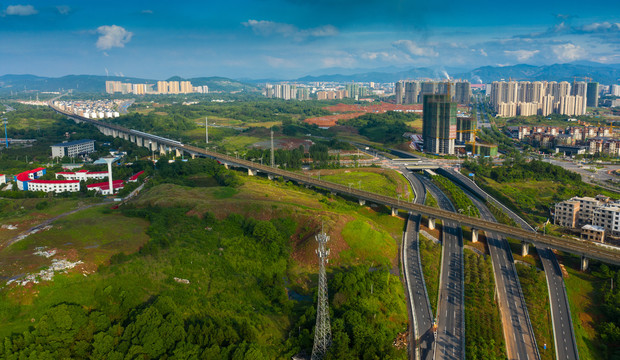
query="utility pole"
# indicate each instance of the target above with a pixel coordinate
(6, 137)
(207, 129)
(272, 156)
(323, 330)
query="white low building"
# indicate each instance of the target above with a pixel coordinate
(56, 186)
(82, 175)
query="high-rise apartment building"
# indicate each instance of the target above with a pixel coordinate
(412, 92)
(439, 124)
(592, 95)
(162, 87)
(462, 93)
(399, 91)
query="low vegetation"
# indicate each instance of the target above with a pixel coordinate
(461, 202)
(385, 128)
(534, 286)
(484, 338)
(430, 255)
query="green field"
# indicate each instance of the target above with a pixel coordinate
(430, 255)
(196, 234)
(379, 181)
(581, 288)
(485, 338)
(534, 286)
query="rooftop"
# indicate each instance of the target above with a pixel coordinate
(75, 142)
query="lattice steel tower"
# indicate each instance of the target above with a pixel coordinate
(323, 330)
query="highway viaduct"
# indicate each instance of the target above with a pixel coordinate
(586, 249)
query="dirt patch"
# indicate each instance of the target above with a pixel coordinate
(304, 247)
(286, 144)
(436, 233)
(331, 120)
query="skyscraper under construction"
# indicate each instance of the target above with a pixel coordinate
(439, 124)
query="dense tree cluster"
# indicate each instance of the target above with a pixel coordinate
(609, 296)
(517, 169)
(388, 127)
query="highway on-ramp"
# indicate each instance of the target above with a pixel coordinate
(450, 343)
(563, 333)
(422, 337)
(518, 332)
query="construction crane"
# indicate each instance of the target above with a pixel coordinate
(585, 78)
(473, 141)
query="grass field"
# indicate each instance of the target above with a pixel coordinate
(533, 199)
(416, 125)
(90, 236)
(534, 286)
(430, 254)
(25, 213)
(380, 181)
(581, 290)
(485, 339)
(359, 235)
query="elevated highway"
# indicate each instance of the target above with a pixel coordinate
(602, 252)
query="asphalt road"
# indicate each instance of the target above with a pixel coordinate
(518, 333)
(450, 343)
(422, 336)
(563, 333)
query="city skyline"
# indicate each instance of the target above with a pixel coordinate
(291, 38)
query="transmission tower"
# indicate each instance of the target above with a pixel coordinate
(323, 331)
(272, 157)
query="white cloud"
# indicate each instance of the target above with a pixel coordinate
(21, 10)
(412, 48)
(112, 36)
(147, 11)
(268, 28)
(521, 55)
(483, 53)
(345, 62)
(568, 52)
(601, 27)
(63, 9)
(380, 55)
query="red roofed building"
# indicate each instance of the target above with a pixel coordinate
(22, 179)
(82, 175)
(56, 186)
(104, 187)
(134, 178)
(28, 181)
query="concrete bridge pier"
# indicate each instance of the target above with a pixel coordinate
(270, 177)
(177, 152)
(584, 263)
(474, 235)
(394, 211)
(525, 248)
(431, 223)
(362, 202)
(252, 172)
(115, 133)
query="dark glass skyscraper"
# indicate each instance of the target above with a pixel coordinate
(439, 124)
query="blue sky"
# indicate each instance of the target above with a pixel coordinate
(291, 38)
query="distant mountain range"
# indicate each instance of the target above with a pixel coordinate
(602, 73)
(96, 84)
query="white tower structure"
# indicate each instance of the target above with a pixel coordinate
(109, 160)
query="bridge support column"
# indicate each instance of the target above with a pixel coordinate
(177, 152)
(584, 263)
(115, 133)
(270, 177)
(252, 172)
(525, 248)
(474, 235)
(431, 223)
(362, 202)
(225, 165)
(394, 211)
(193, 156)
